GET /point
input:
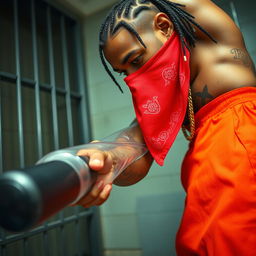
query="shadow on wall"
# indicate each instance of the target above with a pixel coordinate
(158, 222)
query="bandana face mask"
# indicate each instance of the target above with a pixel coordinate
(160, 94)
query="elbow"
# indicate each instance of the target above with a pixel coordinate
(135, 172)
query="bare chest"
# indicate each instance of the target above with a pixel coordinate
(216, 69)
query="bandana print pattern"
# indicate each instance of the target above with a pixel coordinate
(152, 107)
(160, 94)
(164, 135)
(169, 74)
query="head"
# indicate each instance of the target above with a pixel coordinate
(135, 30)
(126, 53)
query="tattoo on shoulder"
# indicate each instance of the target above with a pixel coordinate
(241, 55)
(202, 98)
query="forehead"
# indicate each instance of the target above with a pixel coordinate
(124, 41)
(119, 45)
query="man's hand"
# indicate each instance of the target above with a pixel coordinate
(102, 163)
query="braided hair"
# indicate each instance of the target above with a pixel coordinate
(129, 9)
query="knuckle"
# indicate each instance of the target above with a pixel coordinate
(103, 197)
(93, 195)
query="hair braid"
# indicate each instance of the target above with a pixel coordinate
(183, 23)
(108, 70)
(128, 8)
(130, 29)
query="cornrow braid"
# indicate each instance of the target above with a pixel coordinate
(130, 29)
(108, 70)
(138, 10)
(129, 9)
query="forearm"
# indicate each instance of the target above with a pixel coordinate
(126, 148)
(135, 172)
(139, 169)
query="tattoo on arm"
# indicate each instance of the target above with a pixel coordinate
(202, 98)
(242, 56)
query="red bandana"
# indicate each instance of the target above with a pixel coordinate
(160, 94)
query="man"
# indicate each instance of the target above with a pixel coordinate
(173, 53)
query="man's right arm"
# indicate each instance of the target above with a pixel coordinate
(103, 161)
(139, 169)
(213, 19)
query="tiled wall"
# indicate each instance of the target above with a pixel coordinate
(142, 220)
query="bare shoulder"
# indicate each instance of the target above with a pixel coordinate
(213, 19)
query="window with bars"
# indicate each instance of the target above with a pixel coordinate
(43, 108)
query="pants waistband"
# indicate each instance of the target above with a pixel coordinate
(225, 101)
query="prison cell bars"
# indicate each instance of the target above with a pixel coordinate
(91, 213)
(36, 79)
(18, 85)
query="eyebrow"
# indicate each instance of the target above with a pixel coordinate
(125, 59)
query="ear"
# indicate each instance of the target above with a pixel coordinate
(163, 25)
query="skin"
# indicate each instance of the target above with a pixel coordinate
(215, 69)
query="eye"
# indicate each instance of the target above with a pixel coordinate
(137, 60)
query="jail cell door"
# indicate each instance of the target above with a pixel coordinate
(43, 108)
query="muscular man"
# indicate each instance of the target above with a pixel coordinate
(209, 68)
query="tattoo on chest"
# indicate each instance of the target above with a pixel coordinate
(241, 55)
(202, 98)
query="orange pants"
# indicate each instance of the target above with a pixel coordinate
(219, 176)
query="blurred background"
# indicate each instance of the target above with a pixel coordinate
(55, 93)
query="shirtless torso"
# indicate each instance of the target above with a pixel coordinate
(217, 68)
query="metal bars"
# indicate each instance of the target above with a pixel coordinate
(52, 225)
(36, 78)
(52, 80)
(85, 121)
(66, 81)
(18, 84)
(55, 91)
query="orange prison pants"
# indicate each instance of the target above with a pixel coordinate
(219, 176)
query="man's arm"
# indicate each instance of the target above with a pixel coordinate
(214, 20)
(139, 169)
(103, 161)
